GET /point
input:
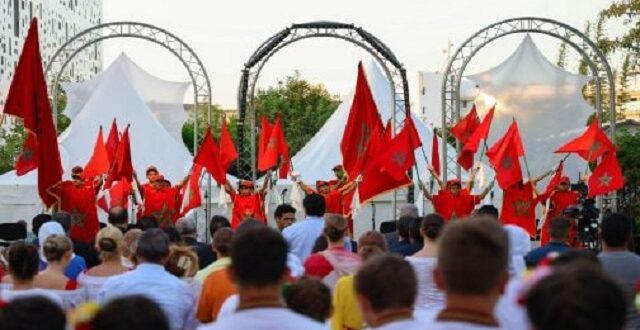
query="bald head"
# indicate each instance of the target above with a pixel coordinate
(408, 210)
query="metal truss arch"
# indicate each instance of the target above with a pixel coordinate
(393, 69)
(596, 61)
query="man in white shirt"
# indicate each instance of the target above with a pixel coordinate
(259, 269)
(386, 288)
(472, 269)
(302, 234)
(150, 279)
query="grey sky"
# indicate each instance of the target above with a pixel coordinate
(225, 33)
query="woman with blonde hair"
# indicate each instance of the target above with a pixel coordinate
(183, 263)
(110, 245)
(58, 250)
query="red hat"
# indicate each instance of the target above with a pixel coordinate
(333, 182)
(454, 181)
(245, 184)
(565, 179)
(321, 183)
(76, 170)
(157, 177)
(338, 167)
(151, 168)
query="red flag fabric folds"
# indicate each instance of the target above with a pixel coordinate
(113, 140)
(190, 192)
(553, 183)
(226, 147)
(208, 158)
(505, 160)
(607, 177)
(266, 159)
(465, 159)
(466, 126)
(512, 132)
(116, 195)
(435, 153)
(592, 144)
(27, 98)
(283, 148)
(518, 207)
(122, 167)
(398, 156)
(99, 163)
(362, 121)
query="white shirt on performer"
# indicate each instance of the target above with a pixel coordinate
(265, 319)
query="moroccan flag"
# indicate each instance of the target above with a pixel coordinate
(283, 148)
(122, 167)
(465, 159)
(27, 98)
(466, 126)
(512, 132)
(592, 144)
(116, 195)
(435, 153)
(207, 156)
(113, 140)
(607, 177)
(226, 147)
(505, 161)
(190, 192)
(99, 163)
(518, 207)
(553, 183)
(398, 156)
(363, 119)
(267, 147)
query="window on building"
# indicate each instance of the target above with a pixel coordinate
(423, 90)
(30, 10)
(16, 18)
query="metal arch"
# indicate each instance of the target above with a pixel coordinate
(454, 71)
(57, 64)
(392, 68)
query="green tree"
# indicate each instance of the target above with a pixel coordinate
(203, 117)
(12, 138)
(623, 95)
(562, 55)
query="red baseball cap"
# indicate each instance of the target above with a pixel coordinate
(321, 183)
(245, 184)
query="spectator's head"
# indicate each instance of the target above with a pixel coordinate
(153, 246)
(285, 216)
(118, 217)
(131, 243)
(488, 210)
(258, 258)
(309, 297)
(64, 219)
(404, 226)
(147, 223)
(217, 222)
(109, 243)
(182, 261)
(370, 244)
(222, 242)
(32, 313)
(130, 312)
(38, 221)
(320, 244)
(174, 236)
(431, 227)
(186, 228)
(23, 260)
(414, 230)
(385, 284)
(335, 227)
(408, 210)
(559, 229)
(247, 224)
(314, 205)
(576, 257)
(616, 230)
(580, 297)
(58, 249)
(473, 259)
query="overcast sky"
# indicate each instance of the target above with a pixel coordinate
(225, 33)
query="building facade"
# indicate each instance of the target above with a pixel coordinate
(58, 20)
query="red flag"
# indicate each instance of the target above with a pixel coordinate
(505, 161)
(376, 182)
(267, 147)
(398, 156)
(607, 177)
(518, 207)
(283, 148)
(592, 144)
(113, 140)
(553, 183)
(207, 156)
(363, 119)
(122, 167)
(99, 162)
(227, 148)
(27, 99)
(190, 192)
(466, 126)
(435, 153)
(465, 159)
(116, 195)
(512, 132)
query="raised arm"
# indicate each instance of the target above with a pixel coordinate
(265, 183)
(436, 176)
(52, 191)
(486, 190)
(426, 192)
(541, 177)
(472, 177)
(229, 188)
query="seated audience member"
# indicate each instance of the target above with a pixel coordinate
(285, 216)
(404, 246)
(309, 297)
(430, 299)
(130, 240)
(32, 313)
(302, 234)
(77, 264)
(472, 270)
(188, 231)
(621, 264)
(80, 248)
(58, 250)
(558, 232)
(386, 289)
(346, 312)
(414, 232)
(119, 218)
(145, 223)
(221, 244)
(577, 296)
(23, 268)
(36, 223)
(259, 269)
(336, 261)
(183, 264)
(174, 236)
(132, 312)
(150, 279)
(110, 244)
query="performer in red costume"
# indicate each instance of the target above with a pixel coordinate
(78, 198)
(559, 199)
(150, 173)
(247, 203)
(333, 193)
(161, 200)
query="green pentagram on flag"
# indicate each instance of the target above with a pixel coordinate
(605, 179)
(506, 162)
(164, 215)
(595, 146)
(77, 218)
(399, 158)
(521, 207)
(362, 142)
(27, 154)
